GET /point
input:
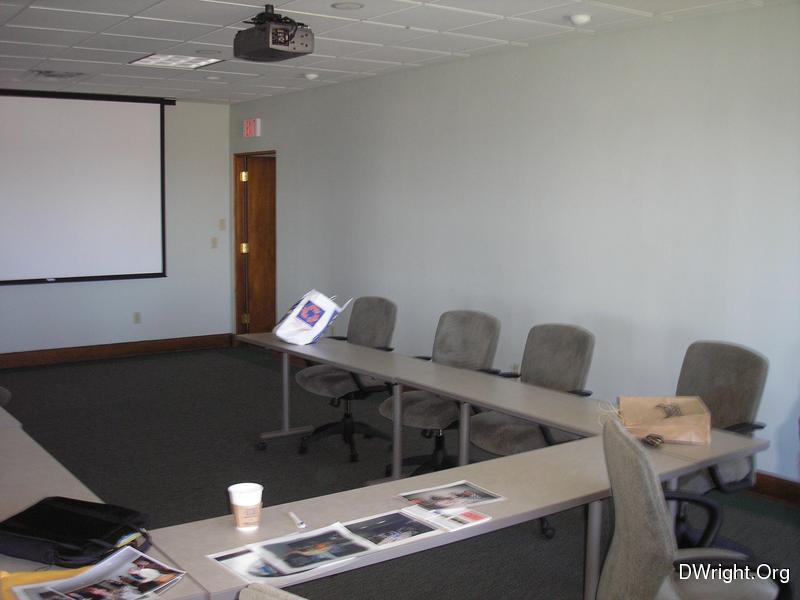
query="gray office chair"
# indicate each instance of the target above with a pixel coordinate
(371, 324)
(557, 357)
(643, 559)
(730, 379)
(464, 339)
(5, 397)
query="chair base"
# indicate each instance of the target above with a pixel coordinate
(427, 463)
(347, 428)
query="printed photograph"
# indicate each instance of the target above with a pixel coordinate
(247, 564)
(451, 496)
(390, 528)
(318, 548)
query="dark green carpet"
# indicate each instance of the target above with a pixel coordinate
(168, 433)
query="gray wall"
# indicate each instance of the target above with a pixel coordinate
(645, 184)
(195, 297)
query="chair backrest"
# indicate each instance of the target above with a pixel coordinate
(643, 544)
(372, 322)
(466, 339)
(557, 357)
(729, 378)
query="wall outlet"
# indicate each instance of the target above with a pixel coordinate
(137, 318)
(214, 242)
(222, 224)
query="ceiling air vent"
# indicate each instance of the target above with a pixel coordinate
(54, 75)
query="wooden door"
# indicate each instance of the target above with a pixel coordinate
(255, 242)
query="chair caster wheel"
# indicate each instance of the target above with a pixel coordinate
(261, 445)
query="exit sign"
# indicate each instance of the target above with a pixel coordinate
(251, 128)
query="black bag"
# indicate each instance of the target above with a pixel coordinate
(71, 533)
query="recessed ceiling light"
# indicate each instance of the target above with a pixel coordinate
(173, 61)
(311, 76)
(347, 5)
(580, 19)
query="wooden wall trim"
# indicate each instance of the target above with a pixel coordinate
(777, 488)
(12, 360)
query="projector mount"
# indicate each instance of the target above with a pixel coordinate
(269, 16)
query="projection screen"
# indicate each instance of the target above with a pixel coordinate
(82, 187)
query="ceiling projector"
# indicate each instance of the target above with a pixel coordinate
(272, 38)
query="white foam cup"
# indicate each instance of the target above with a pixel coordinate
(246, 505)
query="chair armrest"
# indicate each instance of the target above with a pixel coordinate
(424, 357)
(509, 375)
(384, 348)
(711, 508)
(690, 555)
(745, 427)
(583, 393)
(364, 390)
(489, 371)
(342, 338)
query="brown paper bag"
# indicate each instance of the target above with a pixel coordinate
(689, 423)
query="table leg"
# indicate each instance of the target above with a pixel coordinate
(463, 433)
(285, 428)
(397, 430)
(591, 564)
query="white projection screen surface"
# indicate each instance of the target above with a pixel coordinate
(82, 189)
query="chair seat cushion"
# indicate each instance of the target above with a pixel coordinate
(731, 471)
(331, 382)
(503, 434)
(695, 588)
(423, 410)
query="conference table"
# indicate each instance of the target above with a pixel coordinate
(29, 473)
(568, 412)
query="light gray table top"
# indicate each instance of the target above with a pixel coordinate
(724, 445)
(7, 419)
(534, 484)
(29, 473)
(548, 407)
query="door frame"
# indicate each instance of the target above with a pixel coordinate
(240, 191)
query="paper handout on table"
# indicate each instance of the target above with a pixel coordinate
(125, 575)
(451, 496)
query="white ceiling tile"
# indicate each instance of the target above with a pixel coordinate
(305, 60)
(109, 56)
(506, 8)
(34, 85)
(709, 9)
(375, 33)
(223, 36)
(243, 66)
(440, 59)
(128, 43)
(88, 87)
(31, 35)
(197, 11)
(65, 19)
(17, 62)
(128, 80)
(7, 11)
(515, 30)
(167, 30)
(390, 53)
(433, 17)
(339, 47)
(372, 8)
(30, 50)
(128, 70)
(318, 24)
(55, 64)
(117, 7)
(354, 65)
(203, 75)
(448, 42)
(601, 15)
(199, 84)
(204, 50)
(12, 74)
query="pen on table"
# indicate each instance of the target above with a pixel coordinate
(299, 523)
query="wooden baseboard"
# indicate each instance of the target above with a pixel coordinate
(777, 488)
(54, 356)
